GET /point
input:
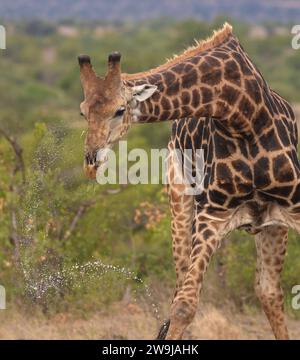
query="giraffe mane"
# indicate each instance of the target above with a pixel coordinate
(217, 38)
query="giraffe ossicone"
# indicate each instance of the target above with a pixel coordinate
(219, 102)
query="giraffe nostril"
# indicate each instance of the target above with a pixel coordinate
(91, 158)
(87, 159)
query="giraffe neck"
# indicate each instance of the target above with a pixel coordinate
(207, 84)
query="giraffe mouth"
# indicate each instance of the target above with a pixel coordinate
(94, 164)
(90, 170)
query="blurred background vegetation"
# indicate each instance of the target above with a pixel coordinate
(52, 219)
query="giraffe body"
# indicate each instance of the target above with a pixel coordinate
(220, 103)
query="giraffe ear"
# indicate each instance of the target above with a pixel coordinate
(143, 92)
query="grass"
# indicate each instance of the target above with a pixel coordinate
(136, 320)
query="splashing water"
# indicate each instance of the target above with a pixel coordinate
(43, 278)
(75, 275)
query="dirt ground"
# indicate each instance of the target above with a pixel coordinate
(137, 321)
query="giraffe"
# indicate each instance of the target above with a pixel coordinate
(218, 101)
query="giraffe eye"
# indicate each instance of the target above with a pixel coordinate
(119, 112)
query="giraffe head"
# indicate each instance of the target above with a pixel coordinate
(109, 107)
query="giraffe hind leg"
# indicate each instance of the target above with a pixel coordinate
(271, 246)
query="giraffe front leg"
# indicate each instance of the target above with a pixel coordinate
(271, 246)
(205, 241)
(181, 225)
(182, 213)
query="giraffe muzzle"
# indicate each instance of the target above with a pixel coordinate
(90, 165)
(94, 161)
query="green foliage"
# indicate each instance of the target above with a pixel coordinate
(239, 257)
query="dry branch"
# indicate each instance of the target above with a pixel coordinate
(82, 209)
(14, 237)
(20, 166)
